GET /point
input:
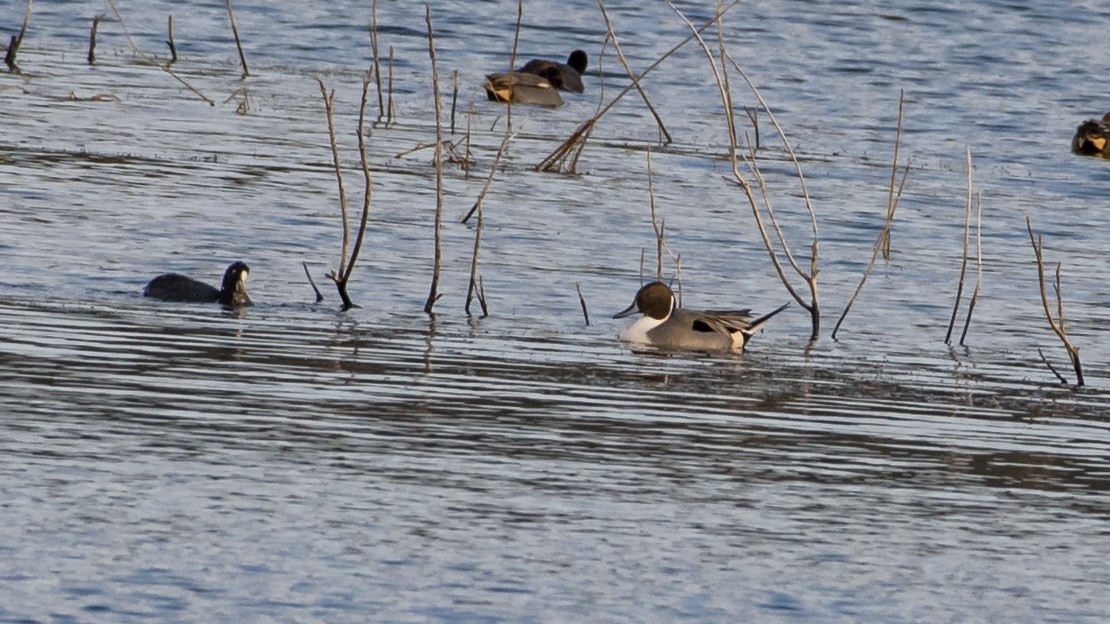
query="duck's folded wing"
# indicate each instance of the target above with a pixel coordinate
(724, 322)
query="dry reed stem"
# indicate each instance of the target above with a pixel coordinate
(963, 263)
(342, 276)
(753, 115)
(582, 302)
(888, 222)
(658, 227)
(142, 55)
(17, 40)
(389, 91)
(572, 147)
(620, 55)
(720, 75)
(1052, 368)
(238, 44)
(480, 202)
(92, 39)
(169, 42)
(438, 257)
(374, 52)
(454, 97)
(891, 199)
(312, 282)
(978, 265)
(1058, 323)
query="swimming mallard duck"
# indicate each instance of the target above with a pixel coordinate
(1092, 137)
(521, 88)
(563, 76)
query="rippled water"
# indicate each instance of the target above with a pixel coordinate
(292, 462)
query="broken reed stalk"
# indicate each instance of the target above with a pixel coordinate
(433, 295)
(963, 263)
(571, 148)
(454, 98)
(888, 221)
(810, 278)
(891, 199)
(479, 203)
(342, 276)
(17, 40)
(389, 91)
(92, 38)
(582, 302)
(978, 265)
(753, 115)
(235, 33)
(620, 55)
(660, 227)
(1057, 324)
(169, 42)
(374, 53)
(142, 55)
(312, 282)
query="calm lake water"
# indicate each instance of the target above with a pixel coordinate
(292, 462)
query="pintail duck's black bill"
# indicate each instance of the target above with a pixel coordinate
(629, 311)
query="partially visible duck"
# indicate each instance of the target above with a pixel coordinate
(563, 76)
(1092, 137)
(521, 88)
(174, 287)
(666, 326)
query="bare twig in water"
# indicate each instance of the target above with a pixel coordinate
(342, 276)
(810, 278)
(582, 302)
(92, 39)
(659, 227)
(892, 199)
(753, 115)
(312, 282)
(238, 44)
(632, 75)
(454, 97)
(892, 206)
(389, 90)
(1052, 368)
(571, 148)
(433, 295)
(374, 53)
(169, 42)
(963, 263)
(17, 40)
(1057, 324)
(142, 55)
(978, 266)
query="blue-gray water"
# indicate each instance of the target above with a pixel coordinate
(295, 463)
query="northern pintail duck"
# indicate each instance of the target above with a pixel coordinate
(563, 76)
(174, 287)
(521, 88)
(666, 326)
(1092, 137)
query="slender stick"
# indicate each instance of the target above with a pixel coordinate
(92, 39)
(17, 40)
(1052, 368)
(173, 46)
(329, 99)
(235, 32)
(165, 68)
(367, 193)
(620, 55)
(892, 201)
(978, 265)
(454, 98)
(374, 52)
(1057, 326)
(433, 295)
(582, 302)
(963, 263)
(576, 141)
(887, 224)
(312, 282)
(389, 92)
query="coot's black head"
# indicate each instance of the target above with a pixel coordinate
(578, 61)
(233, 291)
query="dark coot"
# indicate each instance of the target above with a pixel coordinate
(174, 287)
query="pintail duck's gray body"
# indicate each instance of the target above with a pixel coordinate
(521, 88)
(666, 326)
